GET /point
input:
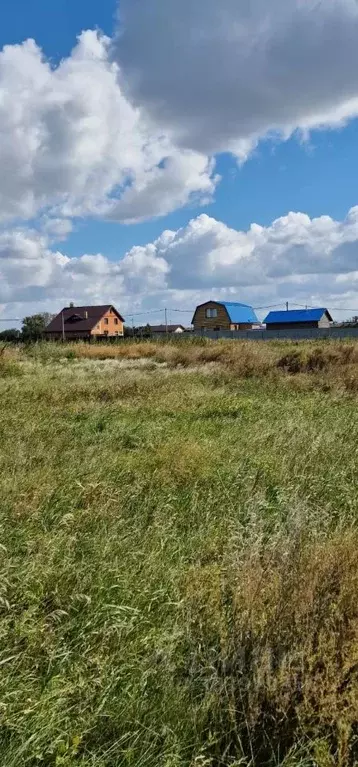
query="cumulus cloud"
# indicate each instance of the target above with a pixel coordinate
(296, 258)
(208, 254)
(127, 128)
(179, 179)
(221, 75)
(71, 143)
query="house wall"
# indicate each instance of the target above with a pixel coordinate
(292, 325)
(242, 326)
(111, 327)
(201, 321)
(324, 322)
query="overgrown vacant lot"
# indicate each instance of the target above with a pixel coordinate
(178, 552)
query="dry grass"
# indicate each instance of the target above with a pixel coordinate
(283, 628)
(331, 364)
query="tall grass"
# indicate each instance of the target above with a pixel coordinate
(179, 579)
(327, 364)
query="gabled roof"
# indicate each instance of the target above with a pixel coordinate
(79, 319)
(239, 314)
(297, 315)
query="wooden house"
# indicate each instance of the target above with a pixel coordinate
(86, 322)
(223, 315)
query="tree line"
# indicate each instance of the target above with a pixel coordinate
(33, 328)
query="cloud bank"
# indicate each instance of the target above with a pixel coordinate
(127, 129)
(295, 256)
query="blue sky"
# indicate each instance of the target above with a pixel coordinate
(54, 25)
(318, 177)
(308, 168)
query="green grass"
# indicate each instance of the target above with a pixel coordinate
(178, 553)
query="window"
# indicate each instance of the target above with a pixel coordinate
(116, 332)
(218, 328)
(106, 320)
(211, 313)
(115, 321)
(106, 332)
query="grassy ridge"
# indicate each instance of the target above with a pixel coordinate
(179, 579)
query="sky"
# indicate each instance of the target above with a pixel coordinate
(159, 153)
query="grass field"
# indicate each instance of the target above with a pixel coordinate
(178, 554)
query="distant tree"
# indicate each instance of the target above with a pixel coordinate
(33, 326)
(129, 332)
(351, 322)
(11, 335)
(48, 317)
(146, 332)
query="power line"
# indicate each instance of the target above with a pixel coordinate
(141, 314)
(163, 310)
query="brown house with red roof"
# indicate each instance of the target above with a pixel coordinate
(86, 322)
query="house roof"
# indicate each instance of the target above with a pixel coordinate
(77, 321)
(296, 315)
(165, 328)
(161, 328)
(239, 313)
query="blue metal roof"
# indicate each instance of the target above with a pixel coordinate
(296, 315)
(239, 314)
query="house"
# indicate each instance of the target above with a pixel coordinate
(223, 315)
(86, 322)
(159, 330)
(297, 319)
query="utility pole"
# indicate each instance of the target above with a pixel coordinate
(63, 326)
(166, 321)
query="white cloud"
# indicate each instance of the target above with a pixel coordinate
(127, 128)
(182, 178)
(306, 260)
(72, 143)
(57, 228)
(220, 75)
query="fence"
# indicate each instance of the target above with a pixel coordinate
(272, 335)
